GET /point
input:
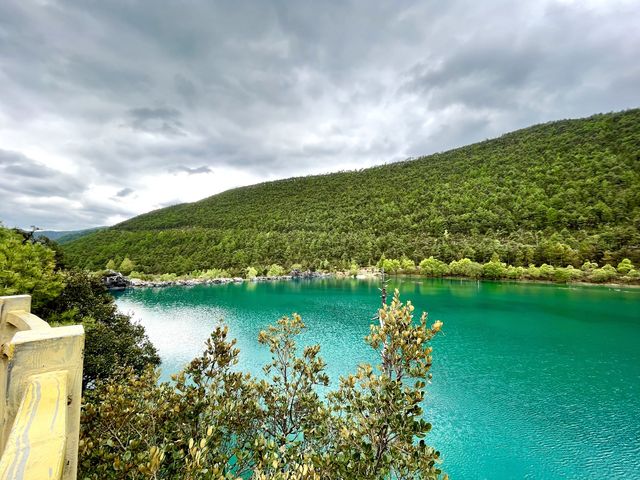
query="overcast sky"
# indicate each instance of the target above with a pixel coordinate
(111, 108)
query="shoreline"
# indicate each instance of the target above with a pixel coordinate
(117, 281)
(137, 283)
(122, 282)
(537, 282)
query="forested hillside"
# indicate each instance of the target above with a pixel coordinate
(66, 235)
(561, 193)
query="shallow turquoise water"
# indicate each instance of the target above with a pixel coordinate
(530, 380)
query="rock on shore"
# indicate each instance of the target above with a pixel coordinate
(115, 280)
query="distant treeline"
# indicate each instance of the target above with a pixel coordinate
(494, 269)
(562, 193)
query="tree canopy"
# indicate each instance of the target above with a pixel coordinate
(28, 267)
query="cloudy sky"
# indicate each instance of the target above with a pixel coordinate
(112, 108)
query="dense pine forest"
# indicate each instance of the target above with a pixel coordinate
(560, 193)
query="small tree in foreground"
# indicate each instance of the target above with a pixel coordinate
(380, 421)
(28, 267)
(216, 422)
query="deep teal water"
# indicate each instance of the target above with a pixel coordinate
(529, 380)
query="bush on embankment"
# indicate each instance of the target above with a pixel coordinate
(497, 270)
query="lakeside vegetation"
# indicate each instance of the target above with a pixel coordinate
(589, 272)
(494, 269)
(562, 193)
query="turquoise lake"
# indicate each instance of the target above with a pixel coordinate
(529, 380)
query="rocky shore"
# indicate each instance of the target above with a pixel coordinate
(117, 281)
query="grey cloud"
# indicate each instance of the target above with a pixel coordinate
(186, 89)
(101, 210)
(125, 192)
(557, 60)
(156, 120)
(193, 171)
(44, 196)
(55, 213)
(23, 176)
(283, 88)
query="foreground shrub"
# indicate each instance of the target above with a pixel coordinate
(167, 277)
(546, 272)
(216, 422)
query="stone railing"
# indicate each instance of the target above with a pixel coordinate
(40, 394)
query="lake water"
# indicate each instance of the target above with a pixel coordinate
(529, 380)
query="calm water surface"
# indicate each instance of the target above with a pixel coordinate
(529, 380)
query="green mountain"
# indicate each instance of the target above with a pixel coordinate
(65, 236)
(559, 193)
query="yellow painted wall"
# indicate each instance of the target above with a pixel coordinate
(40, 394)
